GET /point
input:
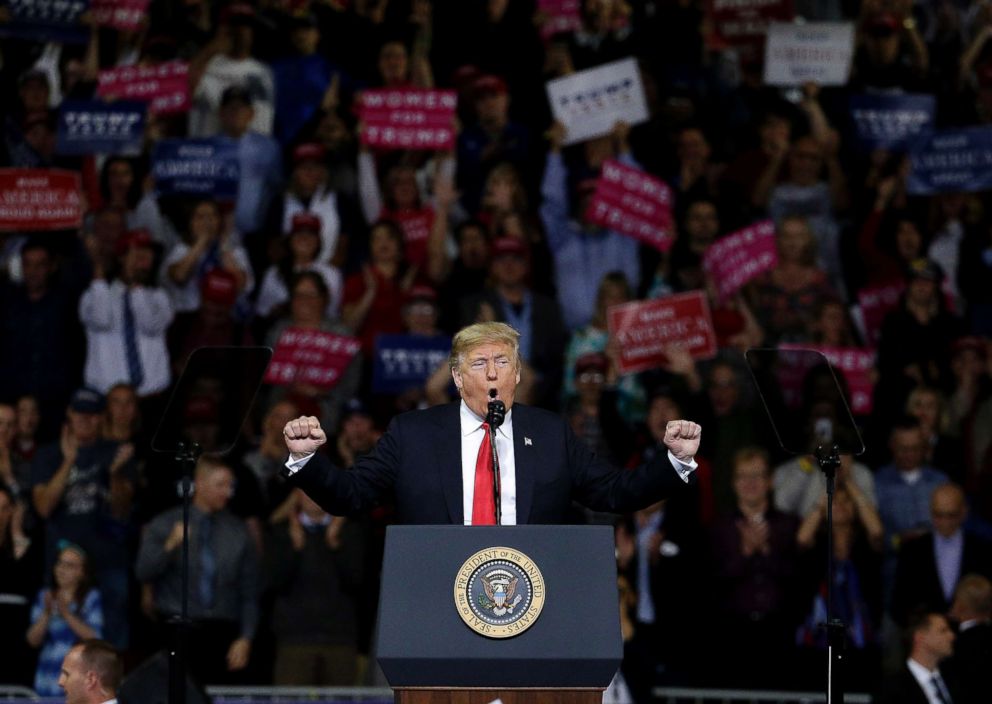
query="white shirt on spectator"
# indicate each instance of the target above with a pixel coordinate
(324, 205)
(186, 297)
(101, 310)
(273, 291)
(221, 73)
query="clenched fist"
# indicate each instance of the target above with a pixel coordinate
(303, 436)
(682, 439)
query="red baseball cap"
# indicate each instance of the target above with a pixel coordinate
(220, 287)
(133, 238)
(305, 222)
(508, 246)
(309, 151)
(489, 85)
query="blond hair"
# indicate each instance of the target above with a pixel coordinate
(468, 338)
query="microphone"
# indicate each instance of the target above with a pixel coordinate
(497, 411)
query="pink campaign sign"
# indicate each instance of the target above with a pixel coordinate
(633, 203)
(875, 304)
(164, 87)
(560, 16)
(408, 118)
(310, 357)
(126, 15)
(645, 329)
(855, 365)
(741, 256)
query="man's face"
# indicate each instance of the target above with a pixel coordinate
(947, 511)
(488, 366)
(122, 404)
(309, 175)
(358, 431)
(85, 426)
(236, 117)
(305, 40)
(908, 446)
(28, 416)
(214, 489)
(751, 483)
(36, 267)
(509, 270)
(723, 390)
(137, 264)
(393, 63)
(34, 95)
(702, 225)
(472, 247)
(937, 638)
(277, 417)
(73, 679)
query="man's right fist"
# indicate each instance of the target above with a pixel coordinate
(303, 436)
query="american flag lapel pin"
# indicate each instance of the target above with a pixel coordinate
(528, 441)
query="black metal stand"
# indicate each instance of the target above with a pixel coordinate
(186, 456)
(829, 461)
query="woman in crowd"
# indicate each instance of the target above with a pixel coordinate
(785, 298)
(208, 245)
(64, 614)
(19, 577)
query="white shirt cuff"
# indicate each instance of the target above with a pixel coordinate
(683, 468)
(295, 466)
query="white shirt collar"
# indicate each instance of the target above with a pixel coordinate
(924, 677)
(471, 422)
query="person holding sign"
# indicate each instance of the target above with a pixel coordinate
(436, 462)
(584, 253)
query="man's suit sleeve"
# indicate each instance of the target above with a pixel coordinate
(355, 491)
(597, 485)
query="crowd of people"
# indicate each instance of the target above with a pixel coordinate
(327, 234)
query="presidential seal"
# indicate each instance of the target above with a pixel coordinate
(499, 592)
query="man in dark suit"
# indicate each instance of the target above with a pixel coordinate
(930, 566)
(931, 640)
(432, 463)
(969, 666)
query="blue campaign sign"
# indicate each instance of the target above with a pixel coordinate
(403, 362)
(98, 127)
(952, 161)
(46, 20)
(892, 122)
(196, 167)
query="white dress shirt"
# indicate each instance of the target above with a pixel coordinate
(472, 434)
(924, 678)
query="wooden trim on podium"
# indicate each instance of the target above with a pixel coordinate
(431, 695)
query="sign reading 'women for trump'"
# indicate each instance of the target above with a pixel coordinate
(39, 199)
(646, 330)
(741, 256)
(408, 118)
(633, 203)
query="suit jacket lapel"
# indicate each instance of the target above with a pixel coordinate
(449, 462)
(523, 460)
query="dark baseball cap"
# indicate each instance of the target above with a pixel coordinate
(87, 400)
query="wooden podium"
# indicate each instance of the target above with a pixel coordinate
(567, 653)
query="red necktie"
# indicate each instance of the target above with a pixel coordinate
(483, 501)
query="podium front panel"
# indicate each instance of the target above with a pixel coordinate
(575, 642)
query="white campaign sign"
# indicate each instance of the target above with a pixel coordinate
(590, 102)
(818, 52)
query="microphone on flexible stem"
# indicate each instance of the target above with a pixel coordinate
(497, 411)
(495, 418)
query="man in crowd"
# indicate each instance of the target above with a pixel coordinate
(223, 578)
(972, 611)
(126, 321)
(91, 673)
(919, 681)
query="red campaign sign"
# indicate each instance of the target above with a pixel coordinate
(164, 87)
(408, 118)
(741, 256)
(744, 23)
(645, 329)
(310, 357)
(39, 199)
(633, 203)
(126, 15)
(855, 364)
(875, 304)
(560, 16)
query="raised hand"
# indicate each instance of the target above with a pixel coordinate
(303, 436)
(682, 439)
